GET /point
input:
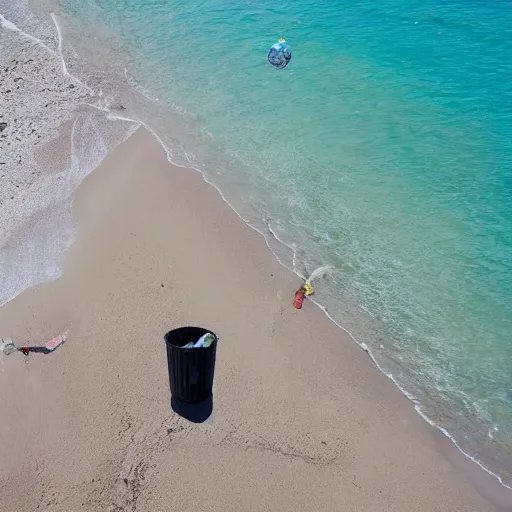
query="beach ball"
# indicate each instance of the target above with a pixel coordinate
(280, 54)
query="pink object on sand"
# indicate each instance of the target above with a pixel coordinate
(53, 344)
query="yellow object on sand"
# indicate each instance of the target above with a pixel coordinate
(308, 289)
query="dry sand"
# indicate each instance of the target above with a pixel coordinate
(302, 418)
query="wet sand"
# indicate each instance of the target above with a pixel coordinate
(302, 418)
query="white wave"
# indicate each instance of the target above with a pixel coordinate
(59, 44)
(319, 272)
(61, 55)
(8, 25)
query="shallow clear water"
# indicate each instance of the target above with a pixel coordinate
(383, 149)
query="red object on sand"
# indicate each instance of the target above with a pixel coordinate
(299, 298)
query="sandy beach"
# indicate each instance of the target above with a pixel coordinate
(302, 418)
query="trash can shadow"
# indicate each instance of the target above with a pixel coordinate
(191, 372)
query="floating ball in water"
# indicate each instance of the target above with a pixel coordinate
(280, 54)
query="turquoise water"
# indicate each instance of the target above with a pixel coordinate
(383, 149)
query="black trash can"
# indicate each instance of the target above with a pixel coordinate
(191, 373)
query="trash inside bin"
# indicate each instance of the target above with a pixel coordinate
(203, 342)
(191, 355)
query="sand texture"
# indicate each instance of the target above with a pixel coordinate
(302, 419)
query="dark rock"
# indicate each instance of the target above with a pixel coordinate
(71, 86)
(3, 126)
(18, 79)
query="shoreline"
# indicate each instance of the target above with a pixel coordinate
(362, 345)
(439, 430)
(368, 383)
